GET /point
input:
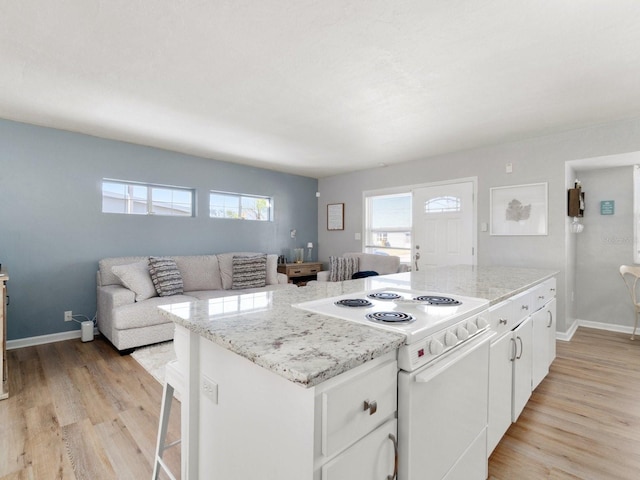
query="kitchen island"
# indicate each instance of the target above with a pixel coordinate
(268, 385)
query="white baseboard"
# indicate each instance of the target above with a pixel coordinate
(42, 339)
(566, 336)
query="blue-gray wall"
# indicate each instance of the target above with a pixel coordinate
(52, 231)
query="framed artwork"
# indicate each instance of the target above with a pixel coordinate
(519, 210)
(335, 216)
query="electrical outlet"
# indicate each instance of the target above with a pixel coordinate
(68, 316)
(210, 389)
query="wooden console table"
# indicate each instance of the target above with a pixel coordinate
(300, 273)
(4, 388)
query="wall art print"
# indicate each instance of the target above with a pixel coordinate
(519, 210)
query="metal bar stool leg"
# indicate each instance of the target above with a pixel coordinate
(165, 411)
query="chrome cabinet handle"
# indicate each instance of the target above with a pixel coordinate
(514, 350)
(392, 437)
(502, 321)
(371, 406)
(550, 318)
(525, 307)
(521, 348)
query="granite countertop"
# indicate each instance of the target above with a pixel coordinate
(308, 348)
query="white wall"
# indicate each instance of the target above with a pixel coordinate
(540, 159)
(604, 245)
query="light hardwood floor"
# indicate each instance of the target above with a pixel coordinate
(81, 411)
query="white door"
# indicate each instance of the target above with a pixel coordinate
(443, 219)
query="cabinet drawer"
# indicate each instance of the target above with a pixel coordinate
(303, 271)
(523, 306)
(344, 416)
(372, 457)
(543, 293)
(501, 318)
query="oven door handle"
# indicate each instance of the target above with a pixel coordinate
(433, 370)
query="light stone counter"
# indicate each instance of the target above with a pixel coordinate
(308, 348)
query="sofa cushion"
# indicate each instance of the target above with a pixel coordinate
(106, 275)
(199, 272)
(136, 277)
(383, 264)
(145, 314)
(165, 276)
(249, 272)
(342, 268)
(225, 261)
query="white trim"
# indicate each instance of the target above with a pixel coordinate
(44, 339)
(566, 336)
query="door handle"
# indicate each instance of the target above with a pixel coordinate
(521, 348)
(393, 476)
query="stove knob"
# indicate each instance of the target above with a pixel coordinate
(481, 322)
(450, 339)
(435, 347)
(471, 327)
(462, 333)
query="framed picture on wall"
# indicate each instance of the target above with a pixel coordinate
(519, 210)
(335, 216)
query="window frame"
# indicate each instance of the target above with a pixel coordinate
(240, 197)
(368, 196)
(149, 202)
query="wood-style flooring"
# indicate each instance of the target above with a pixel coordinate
(81, 411)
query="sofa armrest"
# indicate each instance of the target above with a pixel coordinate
(282, 279)
(323, 276)
(115, 296)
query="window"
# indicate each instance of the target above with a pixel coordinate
(133, 198)
(240, 206)
(388, 225)
(442, 205)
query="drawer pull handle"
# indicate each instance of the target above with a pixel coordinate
(392, 437)
(296, 271)
(502, 321)
(525, 307)
(371, 406)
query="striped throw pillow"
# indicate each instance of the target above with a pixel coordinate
(249, 272)
(342, 268)
(165, 276)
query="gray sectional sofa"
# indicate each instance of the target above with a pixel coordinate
(127, 298)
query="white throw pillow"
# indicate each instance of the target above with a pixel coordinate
(136, 277)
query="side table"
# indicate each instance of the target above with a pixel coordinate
(300, 273)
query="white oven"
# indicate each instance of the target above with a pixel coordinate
(443, 378)
(442, 416)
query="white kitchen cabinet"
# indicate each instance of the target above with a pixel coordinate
(544, 341)
(522, 367)
(500, 388)
(252, 423)
(521, 353)
(370, 458)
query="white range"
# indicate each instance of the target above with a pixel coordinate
(443, 378)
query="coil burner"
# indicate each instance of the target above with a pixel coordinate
(384, 296)
(354, 302)
(390, 317)
(434, 300)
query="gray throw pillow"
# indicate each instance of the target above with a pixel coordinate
(342, 268)
(249, 272)
(165, 276)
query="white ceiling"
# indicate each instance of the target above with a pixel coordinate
(319, 87)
